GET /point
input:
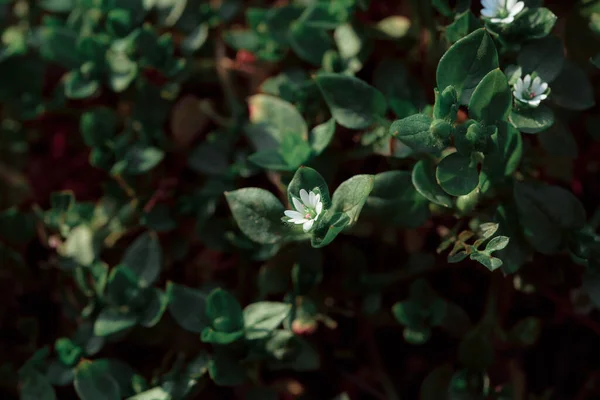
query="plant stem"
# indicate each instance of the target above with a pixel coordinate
(384, 379)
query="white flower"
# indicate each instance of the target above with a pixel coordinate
(308, 209)
(501, 11)
(530, 92)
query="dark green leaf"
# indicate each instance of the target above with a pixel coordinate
(463, 25)
(466, 63)
(224, 311)
(321, 135)
(492, 99)
(350, 197)
(226, 370)
(327, 231)
(258, 213)
(271, 120)
(309, 43)
(558, 140)
(188, 307)
(544, 56)
(415, 131)
(58, 45)
(353, 103)
(141, 159)
(93, 382)
(532, 120)
(572, 88)
(476, 350)
(394, 201)
(457, 174)
(156, 304)
(424, 180)
(144, 258)
(35, 386)
(98, 126)
(113, 320)
(545, 212)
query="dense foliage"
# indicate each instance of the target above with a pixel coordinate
(300, 199)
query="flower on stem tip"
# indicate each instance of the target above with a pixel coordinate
(529, 91)
(308, 208)
(501, 11)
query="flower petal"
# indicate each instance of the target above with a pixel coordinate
(517, 8)
(293, 214)
(543, 87)
(510, 4)
(534, 102)
(307, 225)
(527, 81)
(319, 208)
(312, 199)
(488, 12)
(304, 197)
(488, 3)
(298, 221)
(298, 205)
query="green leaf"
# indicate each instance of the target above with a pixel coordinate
(350, 197)
(226, 370)
(67, 351)
(394, 201)
(415, 132)
(98, 126)
(263, 317)
(492, 99)
(258, 214)
(466, 63)
(504, 158)
(435, 385)
(310, 180)
(558, 140)
(488, 261)
(188, 307)
(224, 311)
(57, 44)
(321, 135)
(93, 382)
(424, 181)
(532, 23)
(572, 88)
(457, 174)
(394, 27)
(209, 335)
(35, 386)
(79, 85)
(353, 103)
(271, 119)
(497, 243)
(156, 304)
(463, 25)
(58, 6)
(328, 230)
(79, 245)
(195, 39)
(112, 320)
(141, 159)
(544, 56)
(309, 43)
(476, 350)
(144, 258)
(545, 212)
(525, 332)
(532, 120)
